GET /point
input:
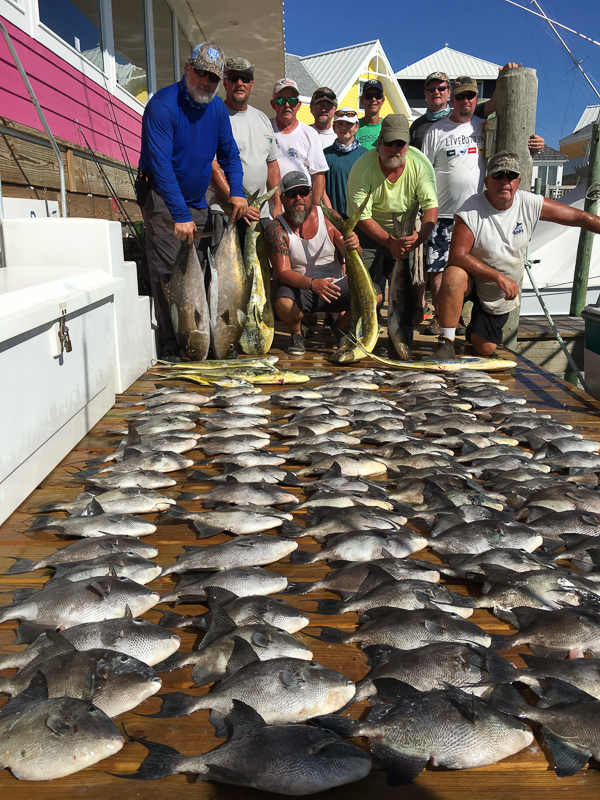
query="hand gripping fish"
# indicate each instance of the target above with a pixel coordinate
(257, 336)
(363, 296)
(186, 297)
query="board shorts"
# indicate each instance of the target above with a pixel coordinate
(437, 246)
(483, 323)
(310, 302)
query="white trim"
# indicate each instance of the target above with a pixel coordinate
(108, 45)
(150, 51)
(175, 36)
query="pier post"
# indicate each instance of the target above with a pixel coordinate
(516, 92)
(586, 239)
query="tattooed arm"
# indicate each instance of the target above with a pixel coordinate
(279, 256)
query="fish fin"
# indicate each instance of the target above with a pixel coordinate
(42, 522)
(375, 577)
(187, 496)
(500, 670)
(298, 588)
(546, 652)
(133, 437)
(219, 722)
(329, 607)
(221, 774)
(204, 530)
(28, 632)
(291, 530)
(241, 318)
(506, 699)
(334, 471)
(131, 452)
(260, 201)
(221, 624)
(260, 639)
(378, 654)
(60, 642)
(176, 704)
(201, 477)
(202, 676)
(19, 596)
(93, 509)
(400, 768)
(225, 316)
(241, 655)
(97, 588)
(216, 594)
(21, 565)
(501, 642)
(170, 619)
(57, 725)
(301, 557)
(160, 762)
(244, 719)
(34, 693)
(568, 760)
(382, 611)
(331, 635)
(556, 691)
(525, 616)
(343, 726)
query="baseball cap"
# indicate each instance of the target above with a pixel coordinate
(291, 180)
(209, 56)
(437, 76)
(285, 83)
(324, 93)
(393, 127)
(504, 160)
(239, 65)
(372, 84)
(343, 118)
(464, 84)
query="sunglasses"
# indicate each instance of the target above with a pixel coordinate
(505, 175)
(302, 191)
(291, 101)
(373, 96)
(396, 143)
(465, 96)
(204, 73)
(436, 89)
(345, 114)
(243, 78)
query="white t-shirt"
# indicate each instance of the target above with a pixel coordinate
(257, 144)
(328, 137)
(501, 239)
(456, 151)
(301, 150)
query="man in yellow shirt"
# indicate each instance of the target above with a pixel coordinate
(400, 180)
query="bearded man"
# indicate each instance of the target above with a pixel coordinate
(183, 128)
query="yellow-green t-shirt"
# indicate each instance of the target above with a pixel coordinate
(415, 188)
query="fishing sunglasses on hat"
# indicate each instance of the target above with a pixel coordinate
(298, 191)
(345, 114)
(291, 101)
(505, 175)
(204, 73)
(234, 77)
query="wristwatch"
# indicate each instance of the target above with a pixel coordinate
(310, 284)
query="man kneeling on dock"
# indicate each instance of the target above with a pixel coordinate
(308, 255)
(487, 253)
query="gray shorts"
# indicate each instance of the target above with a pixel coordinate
(438, 246)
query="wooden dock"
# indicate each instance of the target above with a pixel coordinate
(525, 775)
(537, 342)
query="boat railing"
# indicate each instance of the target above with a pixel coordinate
(40, 113)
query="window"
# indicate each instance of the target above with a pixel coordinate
(163, 43)
(130, 47)
(543, 174)
(185, 50)
(552, 173)
(78, 23)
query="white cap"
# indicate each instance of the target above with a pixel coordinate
(345, 117)
(285, 83)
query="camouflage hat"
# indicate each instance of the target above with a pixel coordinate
(504, 160)
(464, 84)
(324, 93)
(239, 65)
(437, 76)
(208, 56)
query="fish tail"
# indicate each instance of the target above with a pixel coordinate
(21, 565)
(343, 726)
(177, 704)
(509, 701)
(329, 607)
(50, 507)
(160, 762)
(299, 588)
(301, 557)
(291, 529)
(330, 635)
(174, 661)
(170, 619)
(501, 642)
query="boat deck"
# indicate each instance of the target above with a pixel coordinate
(526, 774)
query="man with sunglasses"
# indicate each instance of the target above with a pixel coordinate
(372, 99)
(489, 244)
(322, 106)
(307, 254)
(300, 144)
(183, 128)
(255, 139)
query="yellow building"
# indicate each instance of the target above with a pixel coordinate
(346, 70)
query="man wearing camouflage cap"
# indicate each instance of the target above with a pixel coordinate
(489, 244)
(183, 127)
(323, 104)
(255, 139)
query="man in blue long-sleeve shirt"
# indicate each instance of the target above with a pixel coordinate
(183, 128)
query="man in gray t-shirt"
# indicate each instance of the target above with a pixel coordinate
(487, 252)
(254, 137)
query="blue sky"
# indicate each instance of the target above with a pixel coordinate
(491, 29)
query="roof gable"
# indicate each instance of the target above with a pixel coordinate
(453, 62)
(296, 70)
(589, 115)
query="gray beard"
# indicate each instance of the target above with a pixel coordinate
(465, 112)
(392, 162)
(298, 217)
(199, 95)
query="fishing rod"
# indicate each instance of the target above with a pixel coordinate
(122, 148)
(113, 194)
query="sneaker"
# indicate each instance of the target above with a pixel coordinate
(172, 356)
(297, 346)
(461, 328)
(327, 324)
(433, 329)
(444, 350)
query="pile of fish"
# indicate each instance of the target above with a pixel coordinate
(405, 484)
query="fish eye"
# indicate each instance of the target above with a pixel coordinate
(313, 664)
(280, 630)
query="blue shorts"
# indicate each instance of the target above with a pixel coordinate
(438, 246)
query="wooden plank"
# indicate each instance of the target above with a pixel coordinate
(525, 773)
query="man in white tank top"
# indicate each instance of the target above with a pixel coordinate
(487, 252)
(307, 255)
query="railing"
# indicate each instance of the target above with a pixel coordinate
(40, 113)
(554, 192)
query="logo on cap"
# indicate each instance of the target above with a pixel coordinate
(213, 54)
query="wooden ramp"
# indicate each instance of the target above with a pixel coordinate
(525, 775)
